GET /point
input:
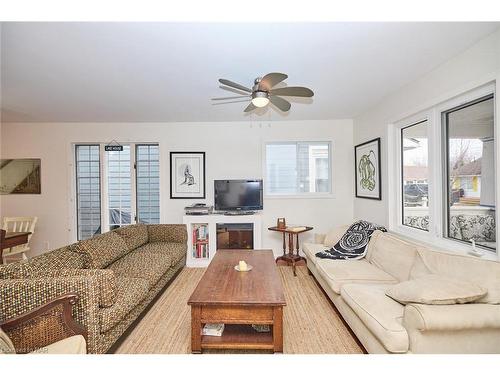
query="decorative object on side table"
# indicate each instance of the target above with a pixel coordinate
(290, 257)
(281, 223)
(187, 175)
(368, 170)
(20, 176)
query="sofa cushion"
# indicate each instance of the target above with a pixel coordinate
(102, 250)
(134, 235)
(147, 264)
(381, 315)
(340, 272)
(436, 290)
(167, 233)
(173, 250)
(334, 235)
(130, 292)
(392, 254)
(478, 271)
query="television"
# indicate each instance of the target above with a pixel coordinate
(238, 195)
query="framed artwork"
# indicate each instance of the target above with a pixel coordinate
(20, 176)
(368, 170)
(187, 175)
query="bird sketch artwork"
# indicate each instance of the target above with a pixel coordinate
(187, 179)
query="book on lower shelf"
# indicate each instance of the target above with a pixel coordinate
(213, 329)
(200, 241)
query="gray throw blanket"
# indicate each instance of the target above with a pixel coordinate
(352, 245)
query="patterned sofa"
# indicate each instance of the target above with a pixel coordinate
(116, 275)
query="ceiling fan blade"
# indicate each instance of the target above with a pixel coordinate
(293, 91)
(234, 84)
(270, 80)
(233, 101)
(281, 103)
(250, 107)
(232, 97)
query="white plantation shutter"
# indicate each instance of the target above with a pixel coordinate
(88, 191)
(148, 183)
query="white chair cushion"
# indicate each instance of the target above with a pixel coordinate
(71, 345)
(340, 272)
(381, 315)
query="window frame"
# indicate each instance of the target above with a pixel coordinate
(446, 162)
(103, 184)
(437, 164)
(401, 179)
(309, 195)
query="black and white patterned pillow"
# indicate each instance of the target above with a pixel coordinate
(352, 245)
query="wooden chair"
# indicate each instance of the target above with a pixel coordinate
(19, 224)
(49, 328)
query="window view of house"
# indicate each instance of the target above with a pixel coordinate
(298, 167)
(471, 173)
(415, 191)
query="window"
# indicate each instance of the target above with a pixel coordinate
(88, 195)
(295, 168)
(148, 183)
(443, 186)
(470, 171)
(415, 174)
(119, 188)
(130, 194)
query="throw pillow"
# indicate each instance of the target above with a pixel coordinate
(352, 245)
(436, 290)
(102, 250)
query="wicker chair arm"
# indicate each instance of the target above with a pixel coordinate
(51, 322)
(20, 296)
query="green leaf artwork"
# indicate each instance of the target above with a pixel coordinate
(366, 170)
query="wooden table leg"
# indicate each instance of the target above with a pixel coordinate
(278, 329)
(196, 329)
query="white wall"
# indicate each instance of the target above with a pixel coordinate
(474, 67)
(233, 150)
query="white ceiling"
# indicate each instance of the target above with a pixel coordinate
(168, 71)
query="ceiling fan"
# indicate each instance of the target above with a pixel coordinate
(262, 92)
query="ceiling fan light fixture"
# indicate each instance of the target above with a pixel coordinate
(260, 99)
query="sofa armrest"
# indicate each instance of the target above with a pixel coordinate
(451, 317)
(19, 296)
(319, 238)
(46, 324)
(167, 233)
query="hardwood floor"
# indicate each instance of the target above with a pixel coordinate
(311, 324)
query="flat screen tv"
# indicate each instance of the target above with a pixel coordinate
(238, 195)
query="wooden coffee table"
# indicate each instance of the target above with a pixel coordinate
(239, 299)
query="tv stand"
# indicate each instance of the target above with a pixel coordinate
(237, 212)
(202, 235)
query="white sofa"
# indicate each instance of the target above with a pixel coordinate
(357, 288)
